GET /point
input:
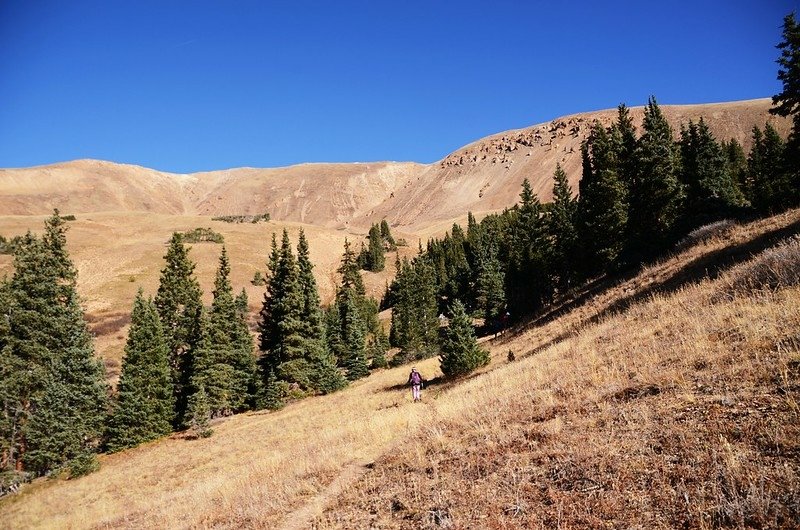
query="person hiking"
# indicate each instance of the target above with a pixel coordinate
(415, 380)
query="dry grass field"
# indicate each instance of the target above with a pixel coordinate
(668, 399)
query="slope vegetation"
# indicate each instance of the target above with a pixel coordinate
(665, 399)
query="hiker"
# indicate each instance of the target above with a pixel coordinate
(415, 380)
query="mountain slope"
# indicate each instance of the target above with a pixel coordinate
(669, 371)
(483, 176)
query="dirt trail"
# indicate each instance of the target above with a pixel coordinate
(301, 518)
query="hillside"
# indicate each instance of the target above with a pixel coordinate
(666, 399)
(483, 176)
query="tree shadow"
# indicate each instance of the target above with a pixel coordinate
(706, 266)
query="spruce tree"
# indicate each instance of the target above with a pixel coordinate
(198, 414)
(711, 192)
(282, 340)
(656, 199)
(460, 351)
(354, 359)
(325, 377)
(787, 103)
(55, 386)
(527, 278)
(562, 230)
(179, 308)
(603, 205)
(386, 235)
(769, 182)
(144, 404)
(736, 162)
(376, 259)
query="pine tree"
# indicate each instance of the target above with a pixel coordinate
(179, 308)
(211, 373)
(603, 205)
(282, 339)
(656, 199)
(386, 235)
(415, 326)
(54, 390)
(562, 230)
(198, 414)
(527, 279)
(274, 393)
(787, 103)
(144, 405)
(625, 140)
(354, 359)
(711, 192)
(375, 258)
(325, 377)
(736, 163)
(460, 351)
(769, 182)
(377, 347)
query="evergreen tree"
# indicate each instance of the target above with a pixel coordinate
(386, 235)
(274, 393)
(656, 199)
(415, 326)
(210, 373)
(325, 377)
(53, 389)
(625, 145)
(711, 192)
(375, 259)
(527, 279)
(179, 308)
(198, 414)
(377, 347)
(282, 339)
(144, 404)
(460, 351)
(769, 184)
(736, 163)
(787, 103)
(603, 205)
(562, 230)
(229, 337)
(353, 359)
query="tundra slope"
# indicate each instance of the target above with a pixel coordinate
(483, 176)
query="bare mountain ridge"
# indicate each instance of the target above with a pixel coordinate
(483, 176)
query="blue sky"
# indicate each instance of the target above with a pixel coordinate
(202, 85)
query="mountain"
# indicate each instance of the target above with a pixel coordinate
(483, 176)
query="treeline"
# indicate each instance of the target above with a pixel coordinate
(184, 364)
(639, 194)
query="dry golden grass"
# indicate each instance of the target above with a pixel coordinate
(116, 253)
(648, 405)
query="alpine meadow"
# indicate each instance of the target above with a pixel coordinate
(591, 322)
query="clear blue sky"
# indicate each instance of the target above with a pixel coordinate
(201, 85)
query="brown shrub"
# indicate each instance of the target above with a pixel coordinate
(775, 268)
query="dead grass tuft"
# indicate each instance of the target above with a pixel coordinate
(777, 267)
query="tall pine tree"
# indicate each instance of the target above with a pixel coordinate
(656, 199)
(55, 397)
(179, 307)
(144, 404)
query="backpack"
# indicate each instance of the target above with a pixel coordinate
(416, 379)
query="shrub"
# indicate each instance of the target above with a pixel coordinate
(202, 235)
(706, 232)
(775, 268)
(242, 218)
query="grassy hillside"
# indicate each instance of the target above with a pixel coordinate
(666, 399)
